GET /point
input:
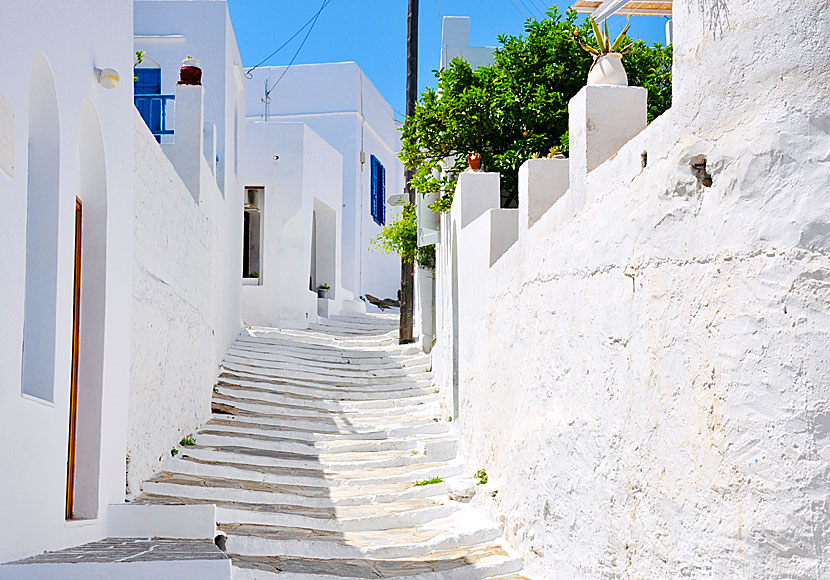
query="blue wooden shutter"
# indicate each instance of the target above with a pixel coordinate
(378, 192)
(148, 82)
(374, 165)
(382, 194)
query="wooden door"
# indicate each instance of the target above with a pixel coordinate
(76, 335)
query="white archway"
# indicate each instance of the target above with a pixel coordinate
(92, 193)
(42, 203)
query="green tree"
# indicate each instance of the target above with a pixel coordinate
(516, 108)
(400, 237)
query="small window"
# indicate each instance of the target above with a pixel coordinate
(378, 192)
(252, 232)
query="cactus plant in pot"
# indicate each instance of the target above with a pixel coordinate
(607, 68)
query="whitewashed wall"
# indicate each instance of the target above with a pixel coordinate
(341, 105)
(33, 456)
(307, 169)
(172, 364)
(644, 373)
(168, 31)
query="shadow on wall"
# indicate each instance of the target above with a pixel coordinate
(715, 15)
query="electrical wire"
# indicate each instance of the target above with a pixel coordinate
(519, 9)
(529, 8)
(287, 42)
(302, 44)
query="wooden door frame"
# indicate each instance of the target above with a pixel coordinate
(76, 335)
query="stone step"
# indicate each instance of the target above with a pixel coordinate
(463, 529)
(310, 391)
(254, 423)
(474, 563)
(434, 447)
(370, 418)
(325, 350)
(250, 491)
(269, 415)
(370, 384)
(312, 360)
(328, 462)
(313, 477)
(379, 516)
(344, 365)
(300, 402)
(308, 442)
(126, 559)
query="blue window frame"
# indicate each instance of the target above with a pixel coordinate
(378, 191)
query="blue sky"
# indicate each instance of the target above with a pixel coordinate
(373, 33)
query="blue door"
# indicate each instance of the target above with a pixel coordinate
(148, 82)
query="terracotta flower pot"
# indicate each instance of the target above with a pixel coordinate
(191, 72)
(474, 161)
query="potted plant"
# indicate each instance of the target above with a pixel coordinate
(474, 161)
(607, 68)
(191, 72)
(323, 290)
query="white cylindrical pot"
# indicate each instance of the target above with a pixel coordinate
(608, 70)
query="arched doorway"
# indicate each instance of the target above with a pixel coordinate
(83, 464)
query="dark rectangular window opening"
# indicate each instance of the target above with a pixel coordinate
(252, 234)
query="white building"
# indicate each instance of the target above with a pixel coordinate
(121, 261)
(66, 167)
(293, 184)
(341, 105)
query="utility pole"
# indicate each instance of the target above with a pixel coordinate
(408, 268)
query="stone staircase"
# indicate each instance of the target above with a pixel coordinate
(316, 441)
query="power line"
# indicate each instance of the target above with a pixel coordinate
(302, 44)
(287, 42)
(529, 8)
(519, 9)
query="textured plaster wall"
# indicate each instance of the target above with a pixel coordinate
(652, 396)
(173, 363)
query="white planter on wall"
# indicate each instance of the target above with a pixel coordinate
(608, 70)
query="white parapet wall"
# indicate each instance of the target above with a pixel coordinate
(178, 312)
(643, 373)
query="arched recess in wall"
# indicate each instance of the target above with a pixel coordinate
(42, 203)
(92, 192)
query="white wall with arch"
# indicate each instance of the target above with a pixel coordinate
(63, 122)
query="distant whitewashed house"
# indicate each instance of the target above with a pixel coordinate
(341, 108)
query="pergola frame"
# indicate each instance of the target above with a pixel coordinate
(602, 9)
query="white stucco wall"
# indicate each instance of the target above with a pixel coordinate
(35, 432)
(455, 43)
(188, 258)
(172, 364)
(341, 105)
(308, 170)
(168, 31)
(643, 374)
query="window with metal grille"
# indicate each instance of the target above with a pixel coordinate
(378, 191)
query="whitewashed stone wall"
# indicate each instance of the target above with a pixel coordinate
(174, 341)
(644, 373)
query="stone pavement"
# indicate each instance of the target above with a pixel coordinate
(316, 441)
